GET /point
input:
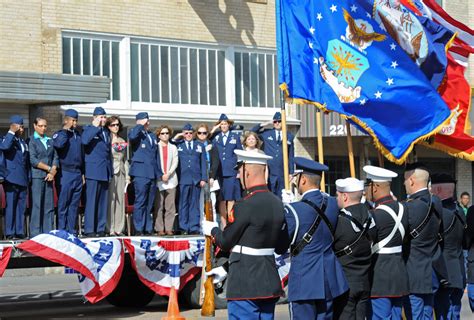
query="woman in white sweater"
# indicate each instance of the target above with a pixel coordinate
(165, 208)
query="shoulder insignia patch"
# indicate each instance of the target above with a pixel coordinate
(55, 136)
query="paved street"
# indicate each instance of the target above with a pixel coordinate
(58, 297)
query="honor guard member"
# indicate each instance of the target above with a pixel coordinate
(389, 274)
(192, 173)
(470, 255)
(98, 173)
(316, 277)
(272, 144)
(145, 170)
(448, 299)
(352, 246)
(67, 143)
(15, 152)
(423, 256)
(256, 230)
(226, 142)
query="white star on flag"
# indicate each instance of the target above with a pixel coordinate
(315, 60)
(368, 15)
(310, 45)
(103, 256)
(362, 102)
(319, 16)
(389, 81)
(378, 95)
(333, 8)
(71, 237)
(353, 8)
(394, 64)
(311, 30)
(393, 46)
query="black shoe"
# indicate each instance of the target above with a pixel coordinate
(148, 233)
(20, 236)
(101, 234)
(9, 237)
(89, 235)
(139, 234)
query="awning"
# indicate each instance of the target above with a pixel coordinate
(52, 89)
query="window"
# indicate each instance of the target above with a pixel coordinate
(91, 56)
(176, 74)
(256, 80)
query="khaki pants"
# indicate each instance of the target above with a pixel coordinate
(116, 214)
(165, 210)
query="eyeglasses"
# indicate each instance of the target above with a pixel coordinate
(42, 125)
(188, 133)
(114, 125)
(164, 133)
(276, 121)
(202, 132)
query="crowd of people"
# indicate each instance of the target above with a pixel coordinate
(87, 169)
(360, 255)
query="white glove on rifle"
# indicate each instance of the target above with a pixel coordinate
(218, 273)
(207, 227)
(287, 196)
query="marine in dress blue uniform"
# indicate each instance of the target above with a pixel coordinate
(44, 163)
(424, 260)
(389, 274)
(256, 230)
(15, 152)
(272, 145)
(192, 175)
(470, 255)
(352, 246)
(68, 144)
(316, 277)
(98, 173)
(145, 170)
(448, 299)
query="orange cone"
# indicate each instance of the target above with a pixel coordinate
(173, 308)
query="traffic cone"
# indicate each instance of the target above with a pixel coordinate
(173, 308)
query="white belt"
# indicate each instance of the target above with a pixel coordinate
(253, 252)
(390, 250)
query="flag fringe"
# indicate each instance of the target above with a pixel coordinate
(451, 151)
(386, 153)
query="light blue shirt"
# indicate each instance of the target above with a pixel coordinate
(44, 140)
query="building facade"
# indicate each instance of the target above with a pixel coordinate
(181, 61)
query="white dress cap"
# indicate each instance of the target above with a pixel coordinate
(378, 174)
(349, 185)
(253, 157)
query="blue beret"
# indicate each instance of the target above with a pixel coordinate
(71, 113)
(141, 115)
(277, 116)
(309, 166)
(16, 119)
(99, 111)
(187, 127)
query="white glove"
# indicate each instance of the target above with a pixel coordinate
(219, 274)
(207, 227)
(287, 196)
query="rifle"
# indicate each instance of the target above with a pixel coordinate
(208, 306)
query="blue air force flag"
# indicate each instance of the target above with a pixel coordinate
(336, 56)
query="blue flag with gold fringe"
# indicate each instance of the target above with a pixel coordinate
(334, 54)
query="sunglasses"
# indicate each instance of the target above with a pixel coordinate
(202, 132)
(188, 133)
(164, 133)
(276, 121)
(114, 125)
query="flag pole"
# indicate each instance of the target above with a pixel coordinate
(350, 149)
(320, 147)
(284, 142)
(381, 160)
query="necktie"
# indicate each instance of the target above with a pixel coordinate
(278, 136)
(224, 139)
(189, 145)
(104, 135)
